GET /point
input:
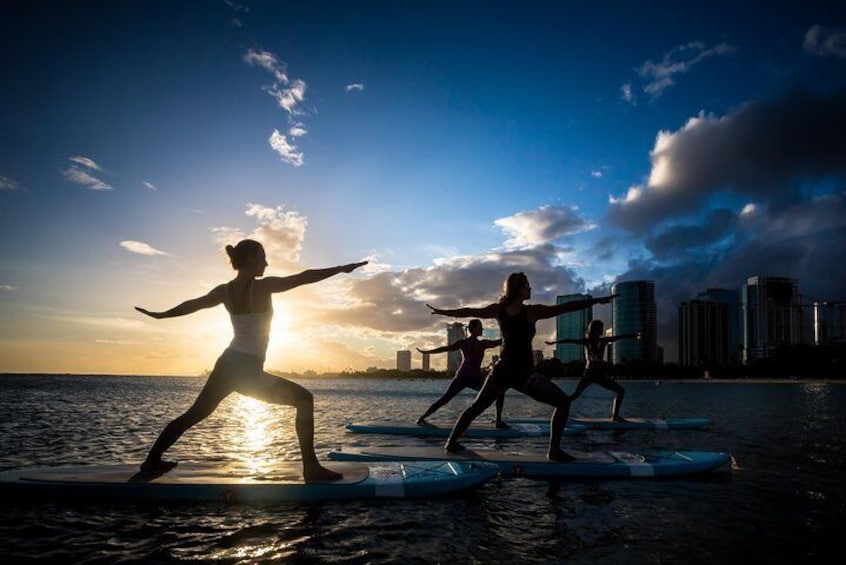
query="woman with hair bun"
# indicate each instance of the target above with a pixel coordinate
(247, 298)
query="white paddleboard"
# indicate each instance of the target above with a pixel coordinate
(207, 482)
(533, 463)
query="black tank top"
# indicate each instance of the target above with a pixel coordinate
(517, 334)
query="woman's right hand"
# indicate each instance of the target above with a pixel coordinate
(156, 315)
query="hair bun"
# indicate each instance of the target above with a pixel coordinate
(230, 250)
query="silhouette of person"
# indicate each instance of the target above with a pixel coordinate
(515, 368)
(596, 368)
(240, 368)
(469, 373)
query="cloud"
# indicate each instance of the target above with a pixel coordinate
(596, 174)
(354, 87)
(679, 60)
(541, 226)
(825, 42)
(81, 172)
(86, 162)
(237, 7)
(287, 151)
(281, 233)
(141, 248)
(267, 61)
(7, 288)
(627, 95)
(767, 151)
(150, 185)
(297, 130)
(7, 184)
(288, 97)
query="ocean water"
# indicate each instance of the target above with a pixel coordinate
(783, 500)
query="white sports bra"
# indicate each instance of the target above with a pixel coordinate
(252, 330)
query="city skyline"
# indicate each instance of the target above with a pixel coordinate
(693, 145)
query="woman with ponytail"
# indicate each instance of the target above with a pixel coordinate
(247, 298)
(515, 367)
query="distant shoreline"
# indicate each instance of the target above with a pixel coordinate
(342, 376)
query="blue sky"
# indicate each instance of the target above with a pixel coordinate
(449, 143)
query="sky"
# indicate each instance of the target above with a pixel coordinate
(694, 144)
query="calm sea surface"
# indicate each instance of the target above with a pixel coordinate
(784, 502)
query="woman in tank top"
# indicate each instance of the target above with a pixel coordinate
(515, 368)
(596, 368)
(240, 368)
(469, 373)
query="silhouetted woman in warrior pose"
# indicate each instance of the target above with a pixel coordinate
(469, 373)
(240, 368)
(596, 369)
(515, 368)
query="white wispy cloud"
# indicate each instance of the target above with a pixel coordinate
(541, 226)
(141, 248)
(825, 42)
(288, 95)
(81, 172)
(627, 94)
(287, 151)
(596, 174)
(280, 231)
(357, 86)
(149, 185)
(297, 130)
(7, 288)
(8, 184)
(677, 61)
(237, 7)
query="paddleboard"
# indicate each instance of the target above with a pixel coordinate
(480, 430)
(628, 424)
(534, 464)
(206, 482)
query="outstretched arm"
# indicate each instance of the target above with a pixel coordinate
(489, 311)
(489, 343)
(281, 284)
(210, 300)
(580, 341)
(444, 348)
(542, 311)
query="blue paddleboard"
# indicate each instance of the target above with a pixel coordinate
(629, 423)
(481, 430)
(534, 464)
(204, 482)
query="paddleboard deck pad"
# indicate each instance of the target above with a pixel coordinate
(534, 464)
(628, 423)
(205, 482)
(480, 430)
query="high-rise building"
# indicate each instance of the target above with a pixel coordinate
(571, 325)
(404, 360)
(771, 316)
(425, 361)
(634, 311)
(709, 329)
(829, 322)
(455, 332)
(703, 333)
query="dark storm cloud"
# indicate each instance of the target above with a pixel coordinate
(767, 151)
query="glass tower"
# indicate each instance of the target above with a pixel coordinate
(455, 332)
(571, 325)
(771, 316)
(634, 311)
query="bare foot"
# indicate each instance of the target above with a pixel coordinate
(157, 466)
(454, 447)
(422, 422)
(500, 425)
(560, 456)
(318, 474)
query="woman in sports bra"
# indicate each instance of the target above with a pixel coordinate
(515, 368)
(240, 367)
(596, 368)
(469, 373)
